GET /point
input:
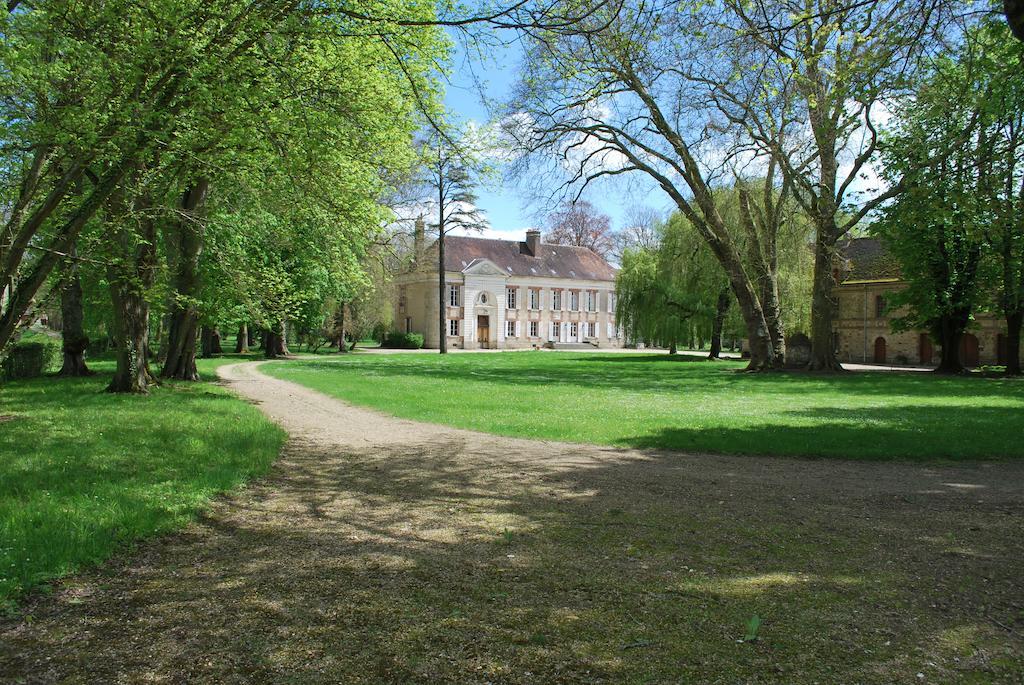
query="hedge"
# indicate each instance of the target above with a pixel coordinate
(30, 359)
(403, 341)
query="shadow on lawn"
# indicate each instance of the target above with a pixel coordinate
(442, 561)
(890, 432)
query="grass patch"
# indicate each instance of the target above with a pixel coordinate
(683, 403)
(85, 472)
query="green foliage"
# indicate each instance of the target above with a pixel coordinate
(85, 472)
(956, 230)
(403, 341)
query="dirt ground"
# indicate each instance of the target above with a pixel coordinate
(383, 550)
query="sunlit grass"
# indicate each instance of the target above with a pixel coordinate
(683, 403)
(84, 472)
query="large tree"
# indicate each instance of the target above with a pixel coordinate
(609, 96)
(827, 69)
(450, 168)
(580, 223)
(958, 230)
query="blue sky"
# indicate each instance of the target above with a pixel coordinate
(509, 211)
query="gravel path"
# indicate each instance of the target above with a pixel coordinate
(386, 550)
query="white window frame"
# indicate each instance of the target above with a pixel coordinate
(611, 302)
(510, 329)
(591, 300)
(554, 330)
(510, 298)
(534, 299)
(574, 300)
(592, 329)
(453, 328)
(556, 300)
(453, 295)
(534, 330)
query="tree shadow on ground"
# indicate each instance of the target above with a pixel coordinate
(451, 560)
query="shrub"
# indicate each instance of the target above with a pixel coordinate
(403, 341)
(30, 359)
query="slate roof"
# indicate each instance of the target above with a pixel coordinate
(513, 257)
(867, 259)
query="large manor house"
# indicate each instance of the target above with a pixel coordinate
(506, 294)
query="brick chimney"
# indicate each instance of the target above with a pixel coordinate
(533, 241)
(418, 236)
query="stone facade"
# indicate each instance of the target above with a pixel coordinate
(867, 278)
(509, 295)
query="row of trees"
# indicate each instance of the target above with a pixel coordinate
(224, 161)
(789, 95)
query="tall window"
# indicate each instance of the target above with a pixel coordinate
(611, 302)
(879, 306)
(574, 330)
(554, 330)
(591, 301)
(533, 329)
(574, 300)
(592, 329)
(453, 327)
(534, 298)
(401, 297)
(408, 325)
(453, 296)
(556, 300)
(510, 298)
(510, 329)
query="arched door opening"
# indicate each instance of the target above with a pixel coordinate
(879, 350)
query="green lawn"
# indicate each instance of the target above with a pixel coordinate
(84, 472)
(683, 403)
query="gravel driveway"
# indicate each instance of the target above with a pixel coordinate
(385, 550)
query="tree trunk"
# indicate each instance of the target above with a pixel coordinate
(242, 343)
(1013, 329)
(339, 327)
(442, 320)
(132, 276)
(275, 342)
(186, 244)
(206, 342)
(823, 306)
(721, 309)
(131, 330)
(75, 341)
(949, 335)
(672, 347)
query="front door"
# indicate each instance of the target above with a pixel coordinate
(879, 350)
(924, 348)
(483, 330)
(969, 350)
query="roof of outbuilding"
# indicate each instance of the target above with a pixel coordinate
(514, 258)
(867, 259)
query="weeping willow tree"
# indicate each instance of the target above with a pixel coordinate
(675, 292)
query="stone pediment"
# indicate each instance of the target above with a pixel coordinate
(484, 267)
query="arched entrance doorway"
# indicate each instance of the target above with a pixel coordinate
(879, 350)
(486, 321)
(969, 350)
(924, 349)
